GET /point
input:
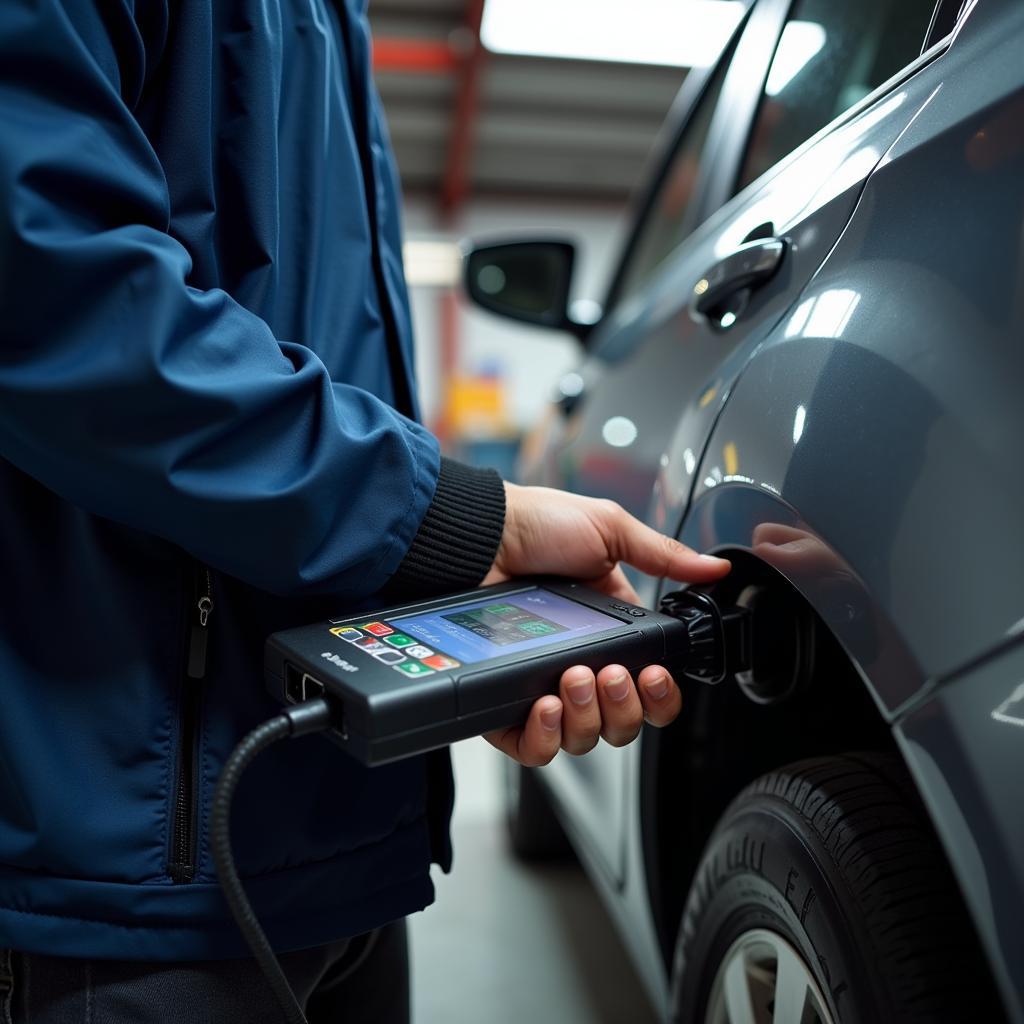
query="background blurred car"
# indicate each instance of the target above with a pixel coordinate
(810, 360)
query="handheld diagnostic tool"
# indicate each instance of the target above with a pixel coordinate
(419, 676)
(402, 681)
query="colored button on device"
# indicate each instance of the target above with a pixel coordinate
(399, 640)
(418, 651)
(347, 633)
(378, 628)
(370, 645)
(388, 656)
(440, 661)
(413, 668)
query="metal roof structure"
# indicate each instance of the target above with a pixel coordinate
(465, 121)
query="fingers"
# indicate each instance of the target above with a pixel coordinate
(608, 706)
(581, 716)
(616, 585)
(629, 540)
(659, 695)
(622, 714)
(625, 705)
(537, 742)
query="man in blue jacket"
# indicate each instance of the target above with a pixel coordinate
(207, 433)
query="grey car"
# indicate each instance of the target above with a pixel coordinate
(811, 360)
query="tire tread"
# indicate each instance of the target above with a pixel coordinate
(888, 857)
(876, 844)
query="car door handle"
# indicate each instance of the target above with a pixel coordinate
(751, 265)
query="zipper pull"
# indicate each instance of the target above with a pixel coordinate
(199, 635)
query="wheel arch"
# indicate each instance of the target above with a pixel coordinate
(688, 775)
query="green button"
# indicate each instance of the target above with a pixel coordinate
(413, 668)
(502, 609)
(398, 640)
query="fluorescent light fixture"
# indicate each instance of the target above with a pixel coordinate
(431, 264)
(677, 33)
(801, 41)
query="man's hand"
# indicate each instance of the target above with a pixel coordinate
(553, 532)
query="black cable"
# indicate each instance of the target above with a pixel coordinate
(298, 720)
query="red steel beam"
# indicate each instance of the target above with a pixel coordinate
(449, 320)
(414, 55)
(455, 184)
(454, 188)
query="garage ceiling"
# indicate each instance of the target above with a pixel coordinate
(468, 122)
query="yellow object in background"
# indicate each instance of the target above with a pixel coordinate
(476, 407)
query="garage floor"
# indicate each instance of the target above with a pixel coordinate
(509, 944)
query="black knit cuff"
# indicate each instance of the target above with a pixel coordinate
(459, 536)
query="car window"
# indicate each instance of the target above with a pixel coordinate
(830, 55)
(665, 223)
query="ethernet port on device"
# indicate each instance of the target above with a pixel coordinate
(300, 686)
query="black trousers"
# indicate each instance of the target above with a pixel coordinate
(364, 980)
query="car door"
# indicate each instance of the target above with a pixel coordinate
(669, 208)
(663, 360)
(592, 789)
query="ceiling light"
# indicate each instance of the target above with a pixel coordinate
(677, 33)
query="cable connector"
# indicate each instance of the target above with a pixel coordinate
(719, 641)
(308, 717)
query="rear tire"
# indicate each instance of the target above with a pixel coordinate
(534, 832)
(823, 895)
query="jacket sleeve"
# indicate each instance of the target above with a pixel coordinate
(166, 408)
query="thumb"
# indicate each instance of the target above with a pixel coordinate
(651, 552)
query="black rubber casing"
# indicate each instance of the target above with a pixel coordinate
(381, 716)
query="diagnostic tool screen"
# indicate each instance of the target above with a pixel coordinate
(425, 642)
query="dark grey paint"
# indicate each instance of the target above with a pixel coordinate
(966, 750)
(870, 398)
(906, 356)
(669, 374)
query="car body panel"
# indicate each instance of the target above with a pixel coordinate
(656, 359)
(885, 412)
(859, 429)
(883, 422)
(965, 749)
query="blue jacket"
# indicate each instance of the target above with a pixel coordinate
(204, 333)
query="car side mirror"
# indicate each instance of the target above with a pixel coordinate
(526, 281)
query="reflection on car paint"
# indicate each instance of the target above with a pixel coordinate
(1011, 710)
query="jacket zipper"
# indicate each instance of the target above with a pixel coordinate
(182, 867)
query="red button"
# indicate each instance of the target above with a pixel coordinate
(378, 628)
(440, 661)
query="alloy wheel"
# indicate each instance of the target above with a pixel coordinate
(762, 979)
